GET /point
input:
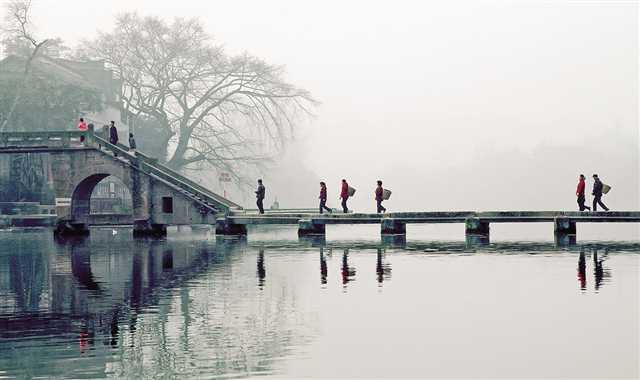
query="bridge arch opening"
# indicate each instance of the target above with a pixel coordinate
(100, 198)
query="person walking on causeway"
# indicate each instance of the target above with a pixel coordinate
(260, 196)
(580, 193)
(597, 194)
(379, 196)
(344, 195)
(323, 198)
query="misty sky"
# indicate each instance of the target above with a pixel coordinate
(427, 94)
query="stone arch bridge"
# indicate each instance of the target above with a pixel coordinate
(78, 161)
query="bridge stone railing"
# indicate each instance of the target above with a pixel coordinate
(45, 139)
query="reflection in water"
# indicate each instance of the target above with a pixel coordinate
(348, 273)
(383, 270)
(582, 268)
(600, 273)
(109, 306)
(323, 267)
(112, 300)
(262, 273)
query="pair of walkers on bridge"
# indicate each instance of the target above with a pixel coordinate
(599, 189)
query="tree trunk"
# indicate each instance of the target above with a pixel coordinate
(22, 85)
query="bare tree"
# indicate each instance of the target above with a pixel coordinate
(18, 29)
(213, 108)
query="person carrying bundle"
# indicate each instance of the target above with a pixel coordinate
(344, 195)
(599, 189)
(380, 193)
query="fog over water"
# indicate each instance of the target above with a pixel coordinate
(454, 105)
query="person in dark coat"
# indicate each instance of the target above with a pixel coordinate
(580, 193)
(113, 133)
(379, 193)
(597, 194)
(260, 197)
(132, 142)
(344, 195)
(323, 198)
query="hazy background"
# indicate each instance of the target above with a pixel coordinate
(454, 105)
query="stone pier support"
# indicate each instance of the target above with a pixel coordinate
(394, 241)
(390, 226)
(225, 228)
(70, 228)
(564, 231)
(144, 228)
(307, 227)
(476, 227)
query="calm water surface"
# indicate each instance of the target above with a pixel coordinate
(194, 306)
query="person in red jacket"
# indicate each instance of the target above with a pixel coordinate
(323, 197)
(344, 195)
(580, 193)
(82, 127)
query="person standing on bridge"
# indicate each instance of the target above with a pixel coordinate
(82, 127)
(260, 196)
(323, 198)
(344, 195)
(597, 194)
(113, 133)
(132, 143)
(379, 197)
(580, 193)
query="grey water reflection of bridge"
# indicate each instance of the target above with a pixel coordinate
(107, 301)
(93, 298)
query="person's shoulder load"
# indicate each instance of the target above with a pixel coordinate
(605, 188)
(386, 194)
(351, 191)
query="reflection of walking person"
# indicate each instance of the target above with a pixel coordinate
(344, 195)
(379, 194)
(323, 197)
(260, 196)
(580, 193)
(582, 271)
(597, 194)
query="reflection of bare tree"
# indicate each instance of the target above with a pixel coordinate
(28, 278)
(152, 308)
